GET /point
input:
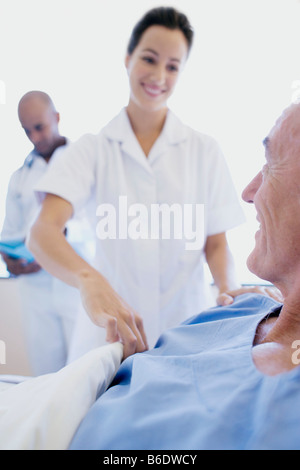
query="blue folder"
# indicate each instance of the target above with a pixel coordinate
(16, 249)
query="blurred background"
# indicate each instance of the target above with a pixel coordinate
(243, 70)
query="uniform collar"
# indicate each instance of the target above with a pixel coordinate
(120, 130)
(33, 155)
(174, 130)
(30, 158)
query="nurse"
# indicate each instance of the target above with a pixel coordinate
(144, 177)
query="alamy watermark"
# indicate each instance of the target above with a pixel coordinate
(296, 354)
(156, 221)
(2, 92)
(296, 91)
(2, 353)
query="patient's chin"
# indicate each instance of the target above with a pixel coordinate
(253, 263)
(256, 265)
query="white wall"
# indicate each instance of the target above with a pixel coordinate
(237, 81)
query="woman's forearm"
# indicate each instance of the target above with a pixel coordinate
(52, 251)
(221, 263)
(102, 303)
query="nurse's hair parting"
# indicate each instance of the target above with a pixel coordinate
(162, 16)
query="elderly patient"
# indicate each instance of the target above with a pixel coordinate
(227, 378)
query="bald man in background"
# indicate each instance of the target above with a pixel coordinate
(49, 306)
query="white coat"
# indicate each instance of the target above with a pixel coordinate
(158, 276)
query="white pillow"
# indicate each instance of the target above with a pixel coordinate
(44, 412)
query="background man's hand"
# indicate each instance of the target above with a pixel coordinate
(18, 266)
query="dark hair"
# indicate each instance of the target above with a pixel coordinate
(161, 16)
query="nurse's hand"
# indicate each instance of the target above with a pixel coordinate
(108, 310)
(227, 298)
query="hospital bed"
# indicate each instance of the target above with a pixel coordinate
(37, 413)
(43, 413)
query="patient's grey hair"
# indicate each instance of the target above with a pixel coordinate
(286, 141)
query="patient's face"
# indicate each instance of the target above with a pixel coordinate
(276, 196)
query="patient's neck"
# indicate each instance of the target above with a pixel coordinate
(273, 343)
(286, 329)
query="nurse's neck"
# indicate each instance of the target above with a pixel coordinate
(146, 125)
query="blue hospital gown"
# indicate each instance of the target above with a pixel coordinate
(199, 389)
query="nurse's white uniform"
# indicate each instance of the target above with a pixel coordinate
(159, 277)
(49, 306)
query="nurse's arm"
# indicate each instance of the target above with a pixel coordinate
(222, 268)
(104, 306)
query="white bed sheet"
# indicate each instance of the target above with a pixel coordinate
(43, 413)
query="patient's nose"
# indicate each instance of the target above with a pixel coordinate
(249, 192)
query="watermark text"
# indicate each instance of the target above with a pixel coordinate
(170, 458)
(2, 92)
(296, 354)
(2, 353)
(296, 91)
(156, 221)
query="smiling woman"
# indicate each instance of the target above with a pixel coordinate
(156, 54)
(153, 76)
(142, 285)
